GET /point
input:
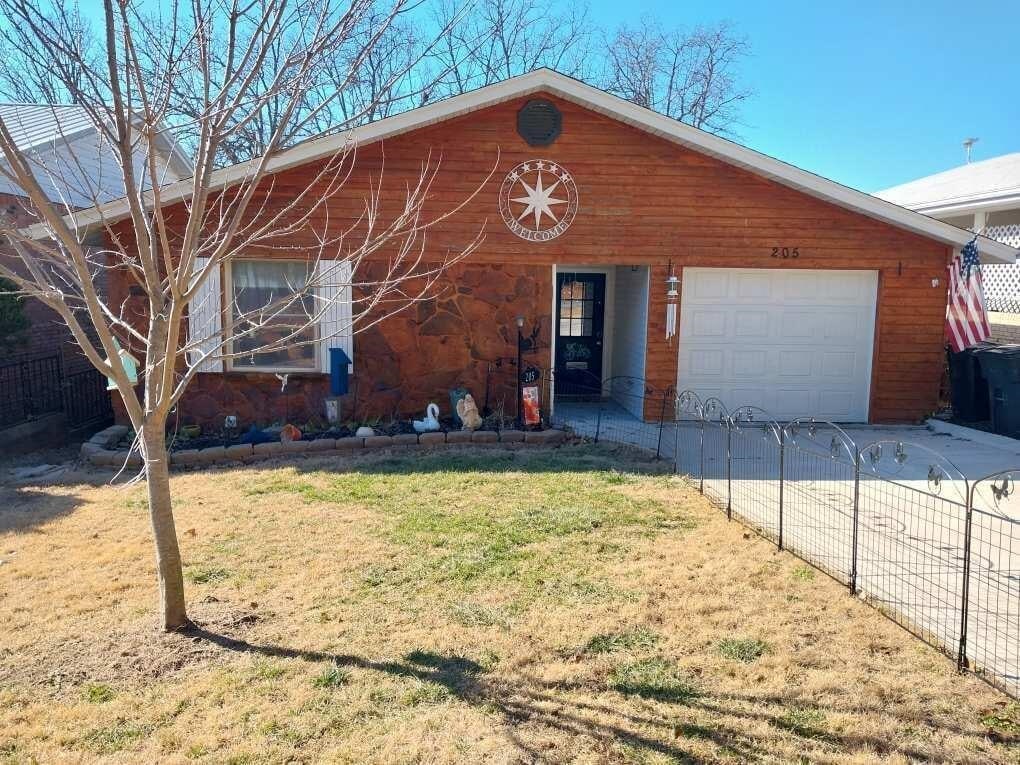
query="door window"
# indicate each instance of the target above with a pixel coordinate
(577, 307)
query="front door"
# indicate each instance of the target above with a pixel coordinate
(580, 313)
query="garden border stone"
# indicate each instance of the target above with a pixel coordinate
(97, 450)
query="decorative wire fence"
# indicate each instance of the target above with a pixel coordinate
(621, 409)
(895, 522)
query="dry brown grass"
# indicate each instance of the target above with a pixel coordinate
(541, 607)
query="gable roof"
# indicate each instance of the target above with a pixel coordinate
(548, 81)
(71, 161)
(991, 182)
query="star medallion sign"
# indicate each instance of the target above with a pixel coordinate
(538, 200)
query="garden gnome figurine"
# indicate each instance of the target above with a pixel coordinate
(468, 413)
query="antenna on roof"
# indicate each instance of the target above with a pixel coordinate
(968, 144)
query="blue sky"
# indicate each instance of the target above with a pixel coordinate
(867, 93)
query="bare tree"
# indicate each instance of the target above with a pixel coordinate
(690, 76)
(492, 40)
(240, 61)
(374, 71)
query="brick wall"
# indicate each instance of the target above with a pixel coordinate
(1005, 327)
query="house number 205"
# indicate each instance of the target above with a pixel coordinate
(786, 252)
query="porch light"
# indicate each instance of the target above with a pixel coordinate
(672, 298)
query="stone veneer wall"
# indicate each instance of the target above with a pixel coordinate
(466, 335)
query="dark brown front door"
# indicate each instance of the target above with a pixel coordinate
(580, 314)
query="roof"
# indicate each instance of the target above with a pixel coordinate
(71, 161)
(34, 125)
(548, 81)
(989, 183)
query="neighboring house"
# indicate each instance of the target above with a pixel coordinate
(76, 169)
(985, 198)
(798, 294)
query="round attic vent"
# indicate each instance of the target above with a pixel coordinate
(539, 122)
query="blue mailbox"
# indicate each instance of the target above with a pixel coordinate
(339, 371)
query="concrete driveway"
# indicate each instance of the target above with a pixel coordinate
(911, 510)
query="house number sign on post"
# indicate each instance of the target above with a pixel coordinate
(538, 200)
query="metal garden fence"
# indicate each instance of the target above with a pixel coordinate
(37, 387)
(895, 522)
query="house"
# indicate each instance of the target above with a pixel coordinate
(76, 170)
(985, 198)
(797, 294)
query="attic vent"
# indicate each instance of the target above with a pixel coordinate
(539, 123)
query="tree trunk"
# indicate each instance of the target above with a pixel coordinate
(173, 615)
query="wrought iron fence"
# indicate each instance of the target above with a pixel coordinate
(894, 521)
(31, 389)
(37, 387)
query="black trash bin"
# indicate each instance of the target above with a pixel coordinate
(1001, 367)
(969, 388)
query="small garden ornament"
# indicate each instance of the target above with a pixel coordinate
(431, 421)
(290, 433)
(468, 413)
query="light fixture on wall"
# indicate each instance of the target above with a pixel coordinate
(672, 298)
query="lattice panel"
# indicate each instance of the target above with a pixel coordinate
(1006, 234)
(1002, 286)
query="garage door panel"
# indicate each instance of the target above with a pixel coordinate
(712, 286)
(707, 323)
(795, 363)
(751, 323)
(749, 364)
(798, 325)
(753, 285)
(799, 286)
(794, 342)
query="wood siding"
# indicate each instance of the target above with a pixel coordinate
(646, 201)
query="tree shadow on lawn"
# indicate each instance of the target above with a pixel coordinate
(529, 700)
(23, 508)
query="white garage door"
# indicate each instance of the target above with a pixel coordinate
(796, 343)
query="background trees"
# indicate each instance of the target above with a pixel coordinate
(390, 62)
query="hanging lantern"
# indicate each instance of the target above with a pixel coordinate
(672, 299)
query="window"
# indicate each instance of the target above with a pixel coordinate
(274, 285)
(577, 306)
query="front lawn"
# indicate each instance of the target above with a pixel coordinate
(574, 605)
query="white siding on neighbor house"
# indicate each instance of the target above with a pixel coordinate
(630, 317)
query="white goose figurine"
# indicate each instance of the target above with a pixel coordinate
(431, 421)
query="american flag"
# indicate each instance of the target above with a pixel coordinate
(966, 319)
